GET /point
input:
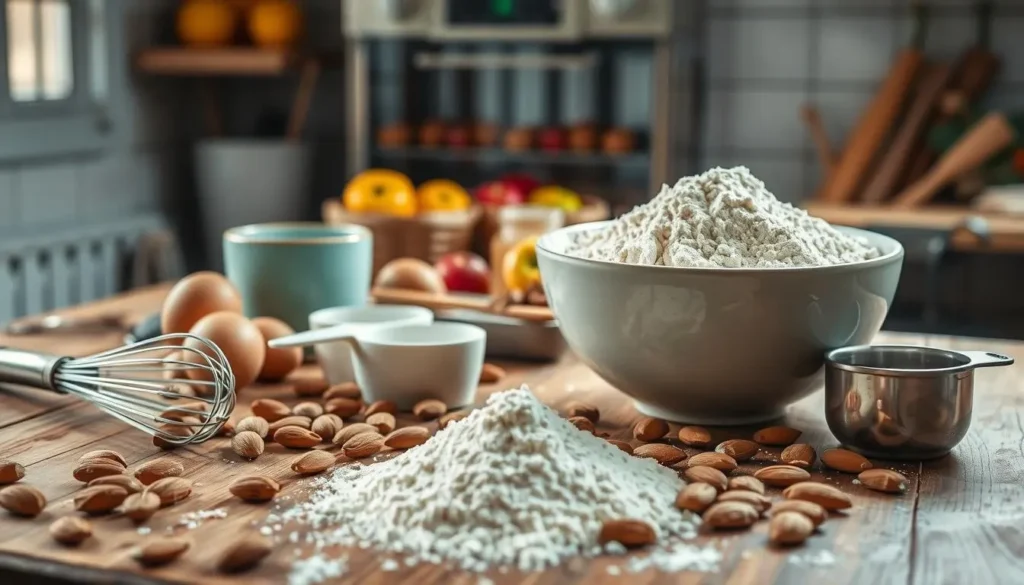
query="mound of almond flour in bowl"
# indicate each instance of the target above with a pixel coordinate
(513, 485)
(724, 218)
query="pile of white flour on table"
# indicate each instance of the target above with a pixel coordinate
(511, 486)
(723, 218)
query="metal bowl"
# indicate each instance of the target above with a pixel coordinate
(902, 401)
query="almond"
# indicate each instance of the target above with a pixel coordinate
(384, 421)
(174, 430)
(798, 455)
(730, 515)
(191, 409)
(381, 406)
(309, 410)
(22, 500)
(660, 452)
(170, 490)
(738, 449)
(290, 421)
(348, 390)
(296, 438)
(247, 444)
(649, 429)
(429, 409)
(584, 409)
(160, 551)
(622, 445)
(244, 554)
(363, 445)
(491, 374)
(708, 475)
(105, 454)
(719, 461)
(346, 433)
(844, 460)
(227, 429)
(777, 436)
(826, 496)
(255, 488)
(759, 502)
(781, 475)
(628, 532)
(583, 423)
(407, 437)
(90, 469)
(129, 483)
(450, 418)
(141, 506)
(343, 407)
(814, 512)
(269, 409)
(696, 497)
(10, 472)
(256, 424)
(695, 436)
(883, 480)
(326, 426)
(313, 462)
(100, 499)
(746, 482)
(789, 528)
(159, 469)
(309, 387)
(70, 530)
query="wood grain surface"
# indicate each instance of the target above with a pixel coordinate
(962, 521)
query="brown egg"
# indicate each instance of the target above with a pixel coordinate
(196, 296)
(239, 339)
(411, 274)
(279, 362)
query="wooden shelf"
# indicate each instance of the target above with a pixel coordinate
(492, 155)
(243, 61)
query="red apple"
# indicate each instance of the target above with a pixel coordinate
(520, 181)
(499, 193)
(464, 272)
(552, 139)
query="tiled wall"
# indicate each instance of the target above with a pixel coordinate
(764, 58)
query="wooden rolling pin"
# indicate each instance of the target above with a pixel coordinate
(990, 135)
(484, 305)
(876, 122)
(827, 157)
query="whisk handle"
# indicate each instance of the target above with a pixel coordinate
(28, 367)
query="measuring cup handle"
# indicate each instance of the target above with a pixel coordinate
(986, 359)
(306, 338)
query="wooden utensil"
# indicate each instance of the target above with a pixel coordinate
(303, 100)
(876, 121)
(827, 157)
(894, 163)
(484, 305)
(990, 135)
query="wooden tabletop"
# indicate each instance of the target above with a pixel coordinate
(962, 520)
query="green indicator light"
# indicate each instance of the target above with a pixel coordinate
(502, 8)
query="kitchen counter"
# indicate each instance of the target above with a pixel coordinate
(960, 521)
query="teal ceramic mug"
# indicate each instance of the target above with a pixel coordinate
(289, 270)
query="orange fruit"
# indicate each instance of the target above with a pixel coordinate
(206, 23)
(442, 195)
(275, 23)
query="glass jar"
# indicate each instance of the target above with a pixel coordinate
(515, 224)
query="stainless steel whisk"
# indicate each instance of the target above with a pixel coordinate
(127, 382)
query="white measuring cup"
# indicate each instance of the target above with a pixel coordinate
(409, 363)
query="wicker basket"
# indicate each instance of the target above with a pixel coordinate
(594, 209)
(427, 236)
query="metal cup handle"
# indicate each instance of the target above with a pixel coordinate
(987, 359)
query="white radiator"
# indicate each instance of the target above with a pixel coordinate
(46, 272)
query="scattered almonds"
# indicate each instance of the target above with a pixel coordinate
(730, 514)
(256, 424)
(781, 475)
(883, 480)
(105, 454)
(296, 438)
(449, 418)
(429, 409)
(826, 496)
(491, 374)
(708, 475)
(695, 436)
(696, 497)
(384, 421)
(310, 410)
(70, 530)
(350, 431)
(313, 462)
(10, 472)
(247, 444)
(584, 409)
(363, 445)
(290, 421)
(100, 499)
(22, 500)
(778, 436)
(719, 461)
(759, 502)
(660, 452)
(255, 488)
(244, 554)
(326, 426)
(344, 407)
(90, 469)
(269, 409)
(844, 460)
(129, 483)
(173, 430)
(746, 482)
(227, 429)
(159, 469)
(622, 445)
(160, 551)
(309, 387)
(170, 490)
(583, 423)
(381, 406)
(650, 429)
(348, 390)
(738, 449)
(813, 511)
(407, 437)
(798, 455)
(627, 532)
(789, 528)
(141, 506)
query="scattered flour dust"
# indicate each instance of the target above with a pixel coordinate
(723, 218)
(512, 485)
(317, 569)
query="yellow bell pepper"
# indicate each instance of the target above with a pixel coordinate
(442, 195)
(560, 197)
(380, 191)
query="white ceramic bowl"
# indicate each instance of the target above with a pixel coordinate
(713, 345)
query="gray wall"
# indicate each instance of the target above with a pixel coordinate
(767, 57)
